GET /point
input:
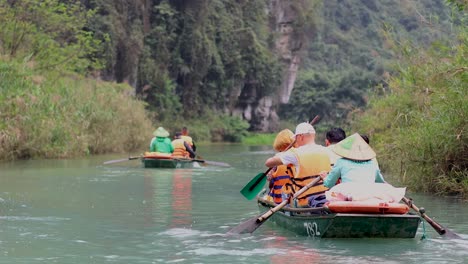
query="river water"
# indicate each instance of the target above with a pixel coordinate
(80, 211)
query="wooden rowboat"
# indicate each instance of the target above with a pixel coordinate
(172, 163)
(320, 222)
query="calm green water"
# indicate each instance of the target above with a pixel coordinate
(79, 211)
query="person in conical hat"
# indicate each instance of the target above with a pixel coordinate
(161, 142)
(355, 164)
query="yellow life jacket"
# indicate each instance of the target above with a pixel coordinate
(279, 178)
(310, 166)
(179, 148)
(188, 139)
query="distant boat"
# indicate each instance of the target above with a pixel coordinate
(161, 160)
(323, 223)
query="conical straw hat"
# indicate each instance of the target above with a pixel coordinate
(161, 132)
(283, 140)
(354, 148)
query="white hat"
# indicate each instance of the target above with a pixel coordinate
(304, 128)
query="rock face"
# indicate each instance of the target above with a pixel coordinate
(261, 111)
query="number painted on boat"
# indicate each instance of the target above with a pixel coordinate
(178, 165)
(312, 229)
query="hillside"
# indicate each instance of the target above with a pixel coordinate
(241, 58)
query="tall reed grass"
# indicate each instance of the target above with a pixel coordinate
(55, 116)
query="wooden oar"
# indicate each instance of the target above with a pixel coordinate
(437, 227)
(209, 162)
(254, 186)
(253, 223)
(121, 160)
(214, 163)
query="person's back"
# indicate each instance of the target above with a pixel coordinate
(181, 147)
(312, 161)
(354, 171)
(161, 143)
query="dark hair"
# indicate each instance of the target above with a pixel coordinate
(365, 137)
(184, 129)
(335, 135)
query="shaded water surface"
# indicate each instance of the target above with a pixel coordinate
(79, 211)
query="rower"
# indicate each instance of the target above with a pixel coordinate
(181, 147)
(188, 139)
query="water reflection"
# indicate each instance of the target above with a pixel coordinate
(168, 198)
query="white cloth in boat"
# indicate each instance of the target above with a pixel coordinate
(351, 191)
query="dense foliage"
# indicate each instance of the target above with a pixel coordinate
(349, 54)
(419, 121)
(190, 56)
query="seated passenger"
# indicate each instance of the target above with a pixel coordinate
(161, 142)
(308, 159)
(281, 174)
(181, 148)
(356, 164)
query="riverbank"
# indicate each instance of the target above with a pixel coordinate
(56, 115)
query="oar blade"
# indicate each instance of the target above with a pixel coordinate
(121, 160)
(115, 161)
(451, 235)
(254, 187)
(245, 227)
(217, 163)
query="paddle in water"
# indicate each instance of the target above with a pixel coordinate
(209, 162)
(253, 223)
(254, 186)
(121, 160)
(437, 227)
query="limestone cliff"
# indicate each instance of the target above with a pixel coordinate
(261, 111)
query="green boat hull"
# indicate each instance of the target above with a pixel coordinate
(167, 163)
(307, 222)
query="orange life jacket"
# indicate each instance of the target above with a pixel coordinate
(310, 166)
(279, 178)
(179, 148)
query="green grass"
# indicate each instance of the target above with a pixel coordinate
(259, 139)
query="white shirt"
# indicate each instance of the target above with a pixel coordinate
(288, 157)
